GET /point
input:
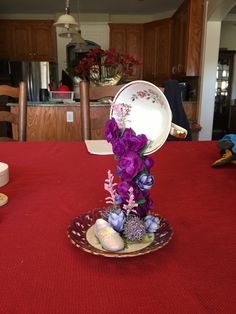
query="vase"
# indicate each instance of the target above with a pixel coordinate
(76, 81)
(105, 75)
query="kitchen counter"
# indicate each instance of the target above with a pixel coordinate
(62, 104)
(50, 121)
(61, 121)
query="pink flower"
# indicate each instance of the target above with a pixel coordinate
(141, 94)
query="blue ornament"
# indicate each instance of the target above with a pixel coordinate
(117, 220)
(145, 181)
(152, 223)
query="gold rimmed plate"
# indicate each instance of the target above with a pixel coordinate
(80, 234)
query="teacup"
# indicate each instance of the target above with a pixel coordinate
(149, 113)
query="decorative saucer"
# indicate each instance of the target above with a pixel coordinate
(80, 234)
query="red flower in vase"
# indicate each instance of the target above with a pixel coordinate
(100, 64)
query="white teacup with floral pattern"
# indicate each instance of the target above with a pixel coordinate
(147, 112)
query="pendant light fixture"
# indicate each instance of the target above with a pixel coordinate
(76, 39)
(69, 33)
(80, 44)
(66, 20)
(73, 31)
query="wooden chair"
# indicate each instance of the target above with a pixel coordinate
(87, 94)
(19, 120)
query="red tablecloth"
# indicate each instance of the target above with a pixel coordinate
(41, 272)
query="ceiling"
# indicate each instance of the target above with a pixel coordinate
(89, 6)
(123, 7)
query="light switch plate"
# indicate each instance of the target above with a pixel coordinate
(69, 116)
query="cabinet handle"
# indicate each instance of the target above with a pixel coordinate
(180, 68)
(174, 69)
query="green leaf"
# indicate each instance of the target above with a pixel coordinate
(141, 201)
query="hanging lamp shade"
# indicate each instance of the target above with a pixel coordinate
(69, 33)
(81, 47)
(66, 20)
(79, 39)
(80, 43)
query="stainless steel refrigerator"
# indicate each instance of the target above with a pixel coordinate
(38, 75)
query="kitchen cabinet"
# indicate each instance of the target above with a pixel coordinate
(28, 40)
(128, 38)
(186, 39)
(34, 40)
(6, 40)
(157, 51)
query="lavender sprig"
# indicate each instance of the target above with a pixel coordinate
(130, 207)
(109, 186)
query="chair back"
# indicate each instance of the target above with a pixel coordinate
(20, 119)
(87, 94)
(173, 95)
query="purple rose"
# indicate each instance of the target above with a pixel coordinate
(129, 165)
(143, 209)
(138, 194)
(148, 162)
(111, 130)
(145, 181)
(134, 142)
(118, 147)
(122, 190)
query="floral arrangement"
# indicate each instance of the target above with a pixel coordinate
(99, 64)
(129, 200)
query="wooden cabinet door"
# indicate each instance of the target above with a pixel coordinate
(186, 39)
(118, 38)
(134, 47)
(6, 51)
(41, 41)
(179, 40)
(128, 39)
(33, 40)
(194, 39)
(22, 41)
(149, 53)
(163, 51)
(157, 48)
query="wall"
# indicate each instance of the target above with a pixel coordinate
(208, 78)
(215, 12)
(228, 35)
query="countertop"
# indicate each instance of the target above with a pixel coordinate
(62, 104)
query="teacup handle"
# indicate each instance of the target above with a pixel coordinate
(177, 131)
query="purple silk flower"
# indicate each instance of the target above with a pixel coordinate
(129, 165)
(112, 130)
